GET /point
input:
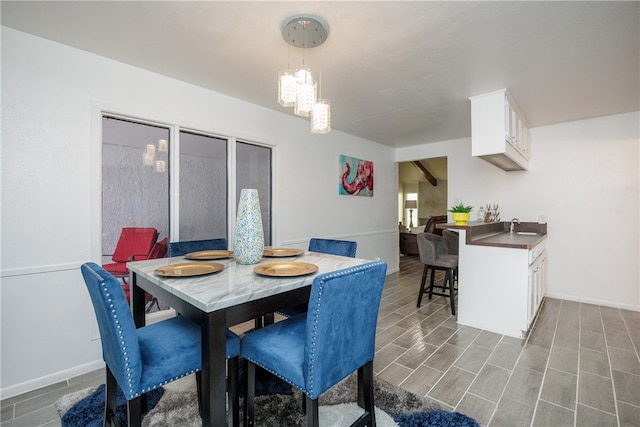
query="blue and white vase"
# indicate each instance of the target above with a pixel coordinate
(248, 243)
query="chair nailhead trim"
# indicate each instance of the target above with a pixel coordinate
(123, 344)
(125, 353)
(153, 387)
(316, 315)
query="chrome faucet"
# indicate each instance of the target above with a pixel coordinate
(514, 221)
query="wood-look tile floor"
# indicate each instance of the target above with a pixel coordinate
(579, 366)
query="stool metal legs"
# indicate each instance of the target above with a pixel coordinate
(448, 283)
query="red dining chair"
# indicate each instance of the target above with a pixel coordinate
(134, 243)
(159, 250)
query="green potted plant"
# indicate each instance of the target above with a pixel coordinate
(460, 213)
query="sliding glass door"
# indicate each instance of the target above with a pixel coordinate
(135, 179)
(188, 200)
(202, 187)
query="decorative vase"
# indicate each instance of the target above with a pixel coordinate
(248, 242)
(460, 218)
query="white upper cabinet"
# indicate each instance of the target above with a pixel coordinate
(499, 132)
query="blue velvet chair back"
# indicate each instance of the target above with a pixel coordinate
(188, 246)
(120, 347)
(341, 324)
(139, 360)
(333, 247)
(325, 246)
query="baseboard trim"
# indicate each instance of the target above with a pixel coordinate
(598, 301)
(67, 374)
(50, 379)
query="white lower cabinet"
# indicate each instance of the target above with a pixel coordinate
(537, 285)
(500, 289)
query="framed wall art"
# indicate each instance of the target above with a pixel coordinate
(356, 176)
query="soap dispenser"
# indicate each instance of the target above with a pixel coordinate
(481, 213)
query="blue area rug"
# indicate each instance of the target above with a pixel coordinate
(435, 419)
(89, 412)
(277, 405)
(266, 383)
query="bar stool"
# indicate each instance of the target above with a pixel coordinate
(435, 255)
(453, 239)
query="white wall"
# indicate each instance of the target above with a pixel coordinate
(51, 101)
(584, 178)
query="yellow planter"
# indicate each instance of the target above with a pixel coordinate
(461, 218)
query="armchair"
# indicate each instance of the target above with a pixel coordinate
(430, 226)
(408, 240)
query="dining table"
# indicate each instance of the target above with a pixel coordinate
(217, 300)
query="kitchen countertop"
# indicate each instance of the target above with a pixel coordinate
(497, 234)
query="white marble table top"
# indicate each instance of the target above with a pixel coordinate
(237, 283)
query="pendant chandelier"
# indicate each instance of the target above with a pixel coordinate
(296, 87)
(150, 153)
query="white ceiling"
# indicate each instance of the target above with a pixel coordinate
(399, 73)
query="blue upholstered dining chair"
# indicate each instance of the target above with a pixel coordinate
(188, 246)
(316, 350)
(333, 247)
(141, 360)
(325, 246)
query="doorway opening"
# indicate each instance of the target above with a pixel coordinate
(422, 198)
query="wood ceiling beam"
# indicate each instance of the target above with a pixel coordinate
(426, 173)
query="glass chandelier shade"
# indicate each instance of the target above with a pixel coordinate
(148, 159)
(305, 93)
(287, 88)
(161, 166)
(305, 98)
(303, 75)
(149, 155)
(321, 116)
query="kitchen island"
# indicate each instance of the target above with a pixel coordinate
(501, 275)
